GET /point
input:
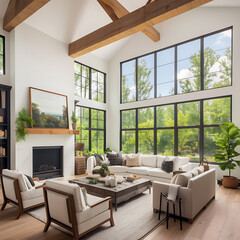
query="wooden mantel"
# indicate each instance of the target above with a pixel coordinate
(62, 131)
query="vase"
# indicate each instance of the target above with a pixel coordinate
(74, 126)
(230, 182)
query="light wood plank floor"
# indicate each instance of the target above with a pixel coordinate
(220, 221)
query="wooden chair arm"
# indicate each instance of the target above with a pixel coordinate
(36, 179)
(101, 201)
(40, 186)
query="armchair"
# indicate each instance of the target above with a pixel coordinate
(64, 207)
(18, 191)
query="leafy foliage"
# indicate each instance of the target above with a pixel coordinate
(227, 142)
(103, 171)
(73, 117)
(93, 181)
(23, 121)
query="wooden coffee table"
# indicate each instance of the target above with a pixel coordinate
(120, 193)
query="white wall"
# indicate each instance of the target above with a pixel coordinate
(176, 30)
(43, 62)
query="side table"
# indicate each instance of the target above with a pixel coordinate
(80, 165)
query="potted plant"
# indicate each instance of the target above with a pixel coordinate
(74, 121)
(107, 150)
(103, 171)
(226, 156)
(23, 121)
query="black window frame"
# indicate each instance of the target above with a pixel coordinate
(4, 54)
(175, 46)
(201, 125)
(90, 129)
(90, 81)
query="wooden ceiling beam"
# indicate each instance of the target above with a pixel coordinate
(116, 10)
(19, 10)
(152, 13)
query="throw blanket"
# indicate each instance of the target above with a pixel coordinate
(98, 155)
(173, 192)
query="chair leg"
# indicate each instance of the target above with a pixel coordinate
(4, 205)
(112, 222)
(46, 226)
(160, 207)
(174, 212)
(167, 213)
(180, 213)
(19, 214)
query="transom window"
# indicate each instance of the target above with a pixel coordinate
(2, 54)
(184, 129)
(199, 64)
(92, 128)
(89, 82)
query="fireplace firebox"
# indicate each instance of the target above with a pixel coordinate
(47, 162)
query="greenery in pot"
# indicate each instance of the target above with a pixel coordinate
(108, 150)
(74, 120)
(93, 181)
(227, 143)
(103, 171)
(23, 121)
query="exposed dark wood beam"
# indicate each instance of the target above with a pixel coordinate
(152, 13)
(116, 10)
(19, 10)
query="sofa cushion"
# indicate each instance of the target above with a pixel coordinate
(183, 179)
(157, 172)
(133, 160)
(194, 172)
(139, 170)
(160, 161)
(33, 193)
(148, 160)
(200, 169)
(118, 169)
(167, 165)
(115, 159)
(179, 161)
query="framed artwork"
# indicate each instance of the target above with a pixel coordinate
(48, 109)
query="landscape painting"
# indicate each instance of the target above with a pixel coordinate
(48, 110)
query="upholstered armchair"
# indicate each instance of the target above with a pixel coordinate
(67, 207)
(18, 190)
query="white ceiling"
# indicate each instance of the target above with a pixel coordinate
(68, 20)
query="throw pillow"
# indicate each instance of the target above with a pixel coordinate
(27, 182)
(183, 179)
(167, 165)
(200, 169)
(194, 172)
(98, 155)
(83, 196)
(133, 161)
(115, 158)
(124, 162)
(30, 180)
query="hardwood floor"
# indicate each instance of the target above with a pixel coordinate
(220, 221)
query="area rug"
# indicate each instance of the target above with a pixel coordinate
(134, 220)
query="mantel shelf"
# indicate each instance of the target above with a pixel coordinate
(51, 131)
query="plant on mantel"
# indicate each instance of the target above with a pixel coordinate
(23, 121)
(226, 156)
(74, 121)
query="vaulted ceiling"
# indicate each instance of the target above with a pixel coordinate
(69, 20)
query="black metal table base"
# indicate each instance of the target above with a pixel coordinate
(167, 212)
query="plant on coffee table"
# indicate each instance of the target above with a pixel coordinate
(103, 171)
(93, 181)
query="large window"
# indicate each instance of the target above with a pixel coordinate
(2, 55)
(92, 128)
(199, 64)
(184, 129)
(89, 82)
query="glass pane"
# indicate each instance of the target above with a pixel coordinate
(100, 124)
(217, 60)
(94, 75)
(77, 79)
(165, 72)
(100, 97)
(77, 90)
(94, 86)
(97, 141)
(146, 77)
(165, 116)
(188, 67)
(85, 71)
(188, 114)
(129, 119)
(101, 77)
(101, 115)
(94, 96)
(188, 143)
(128, 81)
(100, 87)
(146, 141)
(128, 141)
(165, 142)
(146, 117)
(1, 45)
(217, 111)
(211, 134)
(77, 68)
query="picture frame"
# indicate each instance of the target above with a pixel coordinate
(48, 109)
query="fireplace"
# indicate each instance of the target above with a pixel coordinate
(48, 162)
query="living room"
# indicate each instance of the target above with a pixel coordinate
(129, 107)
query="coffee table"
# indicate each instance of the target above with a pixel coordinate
(120, 193)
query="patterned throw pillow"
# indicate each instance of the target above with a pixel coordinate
(167, 165)
(115, 158)
(133, 161)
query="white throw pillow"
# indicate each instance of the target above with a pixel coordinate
(133, 161)
(183, 179)
(160, 161)
(148, 160)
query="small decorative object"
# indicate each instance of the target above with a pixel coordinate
(108, 150)
(130, 179)
(113, 182)
(48, 109)
(107, 181)
(74, 121)
(103, 171)
(93, 181)
(23, 121)
(80, 148)
(204, 164)
(228, 141)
